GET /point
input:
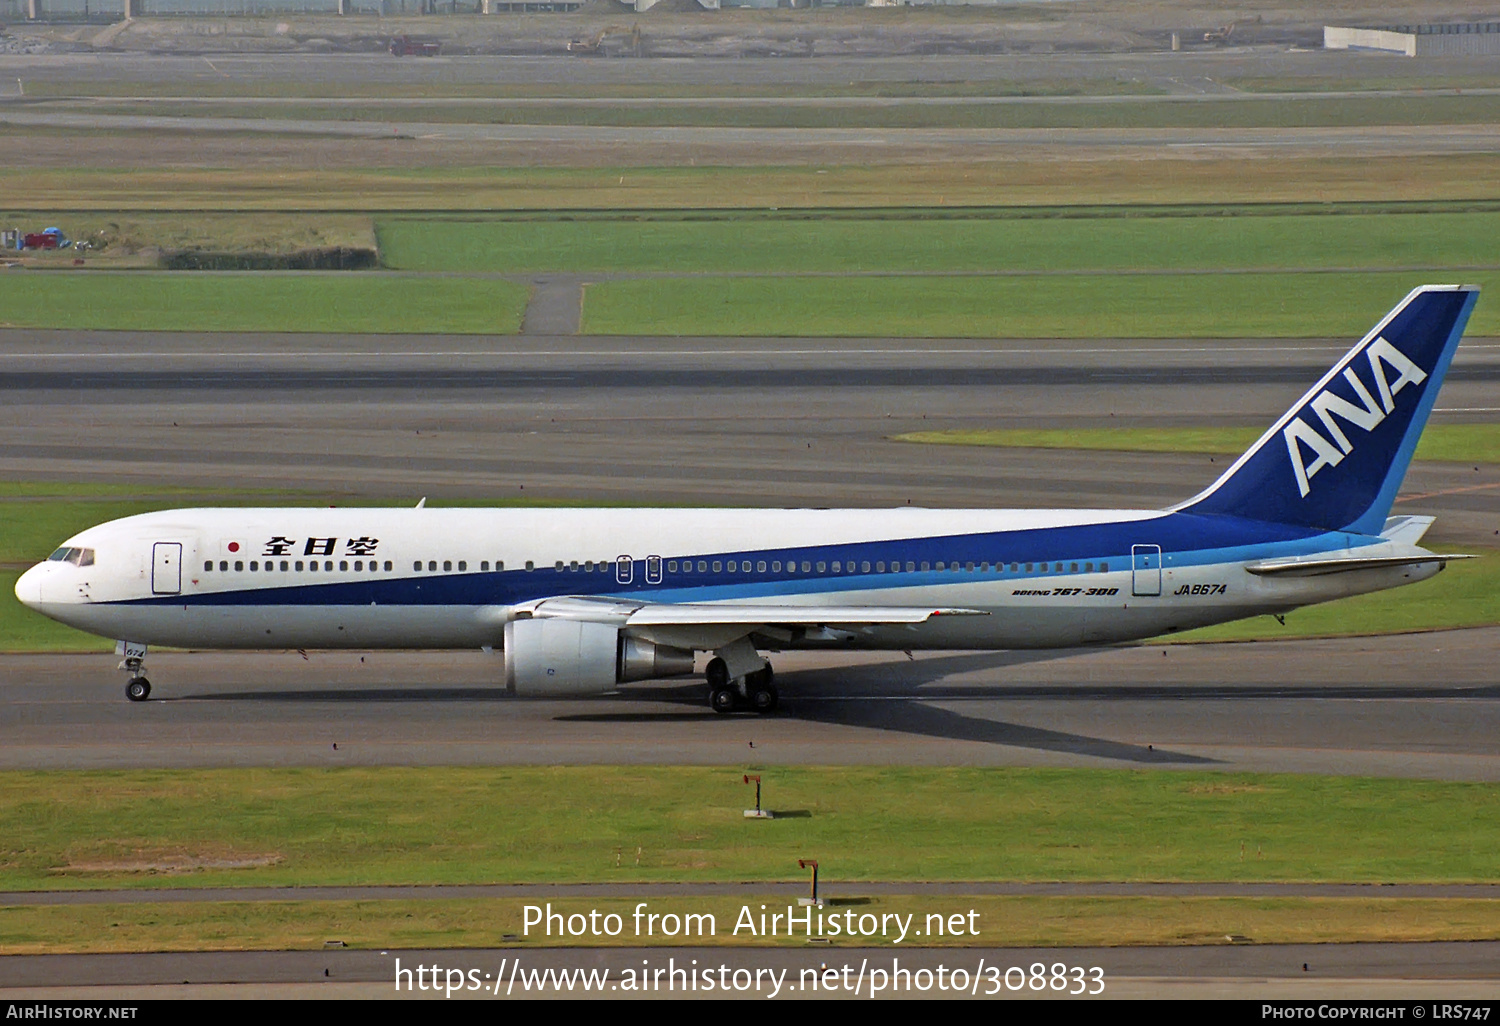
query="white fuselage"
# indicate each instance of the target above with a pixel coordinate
(277, 578)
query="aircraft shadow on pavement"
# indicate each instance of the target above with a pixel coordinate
(896, 697)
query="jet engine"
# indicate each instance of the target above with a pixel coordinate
(553, 656)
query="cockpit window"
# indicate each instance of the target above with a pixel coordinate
(78, 557)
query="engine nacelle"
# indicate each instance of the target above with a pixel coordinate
(553, 656)
(641, 660)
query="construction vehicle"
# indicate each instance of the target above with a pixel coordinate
(1221, 35)
(594, 45)
(406, 46)
(47, 238)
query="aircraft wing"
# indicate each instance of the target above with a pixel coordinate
(688, 614)
(1323, 567)
(706, 625)
(664, 614)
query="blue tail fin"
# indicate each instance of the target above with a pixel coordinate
(1336, 458)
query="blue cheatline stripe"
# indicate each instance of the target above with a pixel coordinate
(1186, 539)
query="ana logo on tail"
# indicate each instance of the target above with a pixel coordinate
(1330, 451)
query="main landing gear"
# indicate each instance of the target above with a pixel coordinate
(755, 691)
(137, 688)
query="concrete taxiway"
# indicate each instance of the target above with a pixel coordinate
(746, 422)
(1442, 971)
(1420, 705)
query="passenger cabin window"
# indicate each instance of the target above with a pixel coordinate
(463, 564)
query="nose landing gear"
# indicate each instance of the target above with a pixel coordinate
(137, 688)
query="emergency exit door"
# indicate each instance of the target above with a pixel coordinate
(166, 568)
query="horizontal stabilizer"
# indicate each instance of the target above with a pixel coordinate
(1323, 567)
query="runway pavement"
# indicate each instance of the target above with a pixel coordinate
(878, 143)
(1420, 705)
(1149, 77)
(747, 422)
(1439, 971)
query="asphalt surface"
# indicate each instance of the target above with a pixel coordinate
(979, 143)
(1419, 705)
(1172, 77)
(1446, 971)
(733, 421)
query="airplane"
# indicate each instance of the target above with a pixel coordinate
(581, 600)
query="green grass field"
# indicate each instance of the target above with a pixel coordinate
(171, 828)
(1072, 241)
(183, 301)
(1281, 305)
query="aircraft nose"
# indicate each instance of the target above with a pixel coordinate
(29, 585)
